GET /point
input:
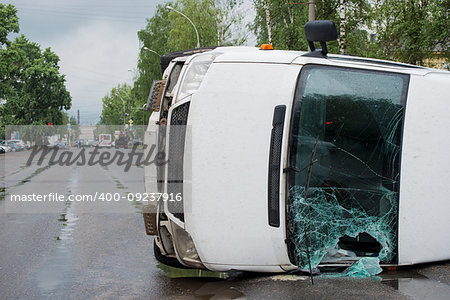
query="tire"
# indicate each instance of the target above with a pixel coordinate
(168, 261)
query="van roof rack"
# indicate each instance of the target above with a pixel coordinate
(321, 31)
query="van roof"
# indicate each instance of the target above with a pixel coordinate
(255, 55)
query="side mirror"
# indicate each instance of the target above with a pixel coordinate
(320, 31)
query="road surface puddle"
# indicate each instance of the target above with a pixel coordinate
(415, 285)
(57, 270)
(204, 284)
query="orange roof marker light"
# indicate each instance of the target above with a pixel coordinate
(266, 47)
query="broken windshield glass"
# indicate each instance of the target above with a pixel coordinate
(351, 208)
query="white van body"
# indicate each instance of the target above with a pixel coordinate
(229, 129)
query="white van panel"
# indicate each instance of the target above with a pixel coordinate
(424, 207)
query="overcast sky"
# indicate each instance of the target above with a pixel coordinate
(96, 41)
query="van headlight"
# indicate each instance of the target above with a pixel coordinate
(195, 73)
(185, 248)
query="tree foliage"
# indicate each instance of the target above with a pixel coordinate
(34, 90)
(411, 30)
(117, 106)
(9, 22)
(31, 88)
(289, 18)
(218, 23)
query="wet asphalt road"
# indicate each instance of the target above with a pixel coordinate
(100, 250)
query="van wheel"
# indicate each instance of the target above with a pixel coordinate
(168, 261)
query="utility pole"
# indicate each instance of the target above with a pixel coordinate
(312, 10)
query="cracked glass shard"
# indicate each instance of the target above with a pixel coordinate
(351, 207)
(365, 267)
(326, 221)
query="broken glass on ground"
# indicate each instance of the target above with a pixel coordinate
(365, 267)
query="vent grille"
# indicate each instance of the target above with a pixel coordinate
(177, 138)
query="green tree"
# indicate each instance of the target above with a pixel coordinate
(214, 20)
(117, 106)
(154, 36)
(218, 23)
(281, 24)
(9, 22)
(410, 30)
(31, 88)
(34, 90)
(285, 21)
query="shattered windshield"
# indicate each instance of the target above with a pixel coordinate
(345, 147)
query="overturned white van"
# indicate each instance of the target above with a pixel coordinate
(286, 158)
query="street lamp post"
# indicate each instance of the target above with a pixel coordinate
(148, 49)
(195, 28)
(123, 102)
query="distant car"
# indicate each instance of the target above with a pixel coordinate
(81, 143)
(92, 143)
(5, 146)
(104, 140)
(61, 145)
(14, 147)
(20, 143)
(121, 142)
(2, 149)
(57, 145)
(137, 142)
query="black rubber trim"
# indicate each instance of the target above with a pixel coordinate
(275, 165)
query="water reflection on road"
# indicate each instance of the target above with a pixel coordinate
(415, 285)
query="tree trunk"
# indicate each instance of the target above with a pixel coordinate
(342, 41)
(268, 21)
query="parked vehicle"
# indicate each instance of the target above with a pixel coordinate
(286, 159)
(121, 142)
(21, 143)
(14, 147)
(2, 149)
(4, 144)
(104, 140)
(137, 142)
(92, 143)
(81, 143)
